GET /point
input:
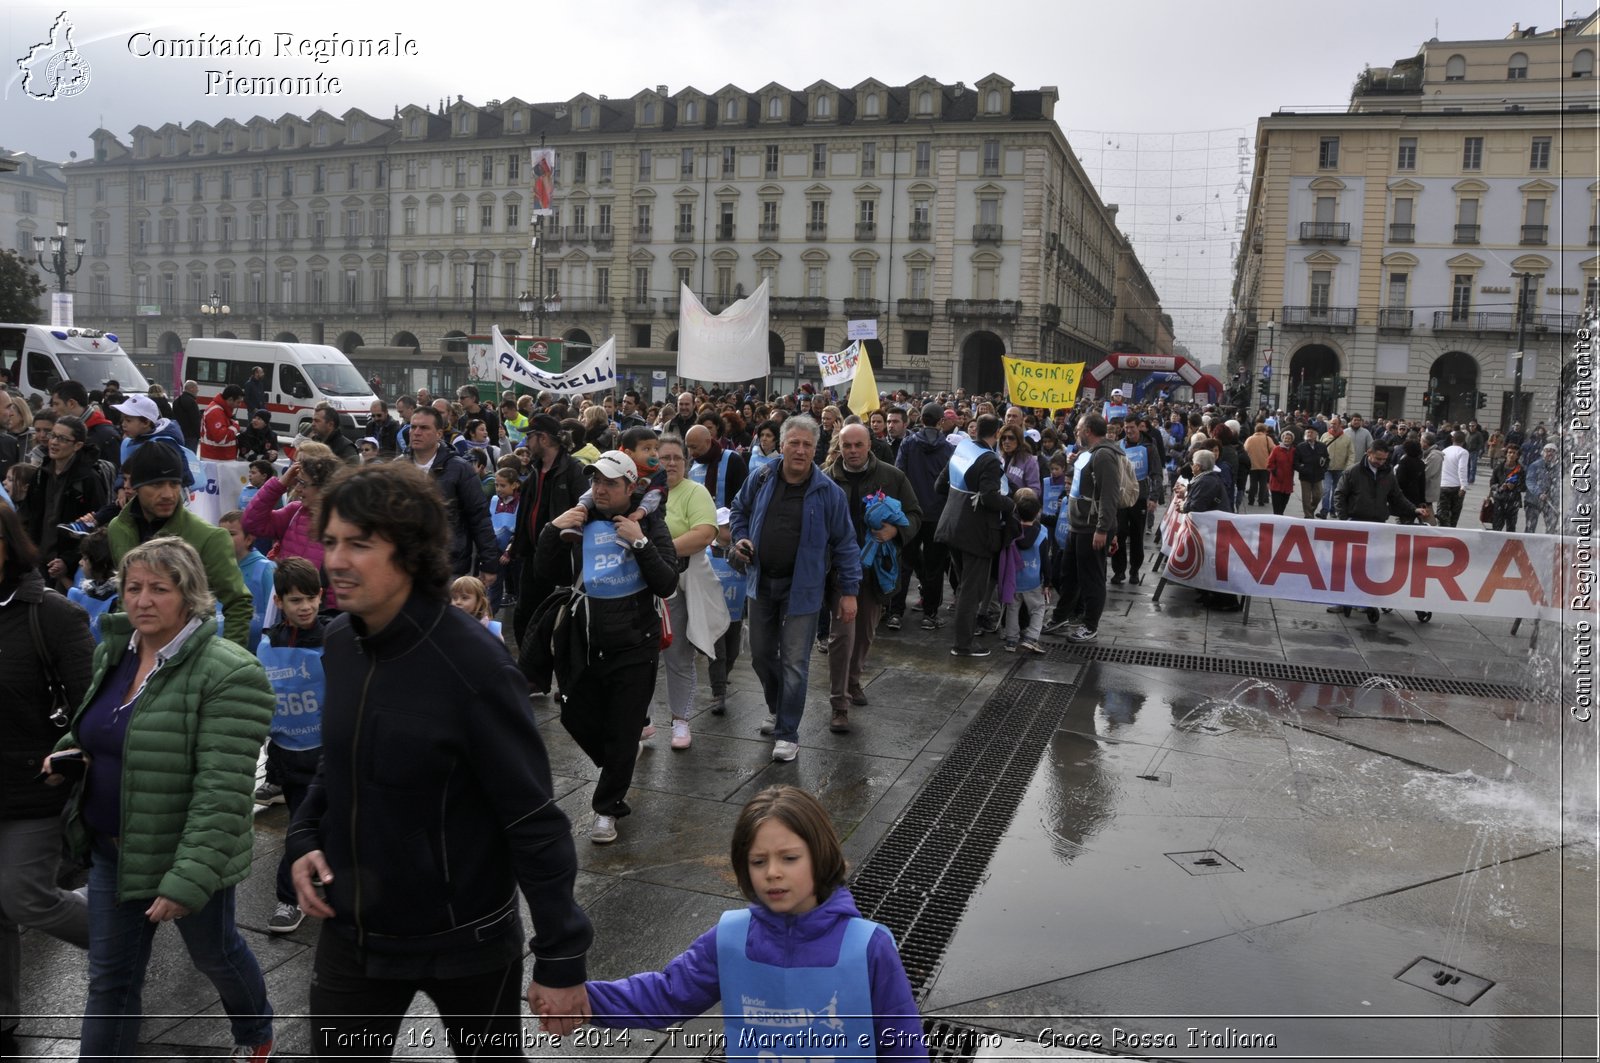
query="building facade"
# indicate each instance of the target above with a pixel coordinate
(33, 198)
(1388, 244)
(955, 216)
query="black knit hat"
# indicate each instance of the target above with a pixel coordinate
(153, 463)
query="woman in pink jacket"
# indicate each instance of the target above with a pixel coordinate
(291, 526)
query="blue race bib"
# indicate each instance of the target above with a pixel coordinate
(1051, 494)
(1139, 458)
(609, 568)
(297, 681)
(95, 607)
(504, 524)
(734, 584)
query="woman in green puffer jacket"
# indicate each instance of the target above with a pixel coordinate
(170, 729)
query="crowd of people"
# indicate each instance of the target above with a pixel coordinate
(345, 613)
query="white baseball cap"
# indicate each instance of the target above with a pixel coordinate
(139, 406)
(615, 465)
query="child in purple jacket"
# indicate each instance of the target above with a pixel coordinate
(799, 972)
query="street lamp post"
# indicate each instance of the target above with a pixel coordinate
(1266, 371)
(1522, 339)
(58, 255)
(214, 307)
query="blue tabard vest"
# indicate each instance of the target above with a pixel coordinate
(733, 584)
(1031, 575)
(95, 607)
(1079, 463)
(1109, 412)
(495, 629)
(504, 524)
(817, 1014)
(967, 452)
(296, 677)
(697, 473)
(609, 568)
(1051, 494)
(1139, 458)
(757, 459)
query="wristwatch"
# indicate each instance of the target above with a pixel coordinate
(640, 543)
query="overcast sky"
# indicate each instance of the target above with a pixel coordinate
(1153, 95)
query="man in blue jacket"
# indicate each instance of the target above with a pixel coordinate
(791, 524)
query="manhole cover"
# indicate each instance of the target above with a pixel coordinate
(1204, 862)
(1452, 983)
(1047, 671)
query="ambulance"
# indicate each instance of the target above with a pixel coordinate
(299, 378)
(39, 357)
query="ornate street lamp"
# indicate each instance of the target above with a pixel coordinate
(214, 307)
(58, 255)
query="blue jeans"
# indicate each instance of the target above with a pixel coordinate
(1330, 480)
(780, 653)
(1472, 466)
(120, 939)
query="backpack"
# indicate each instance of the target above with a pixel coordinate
(1127, 491)
(108, 476)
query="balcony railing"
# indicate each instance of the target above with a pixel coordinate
(860, 309)
(169, 247)
(602, 235)
(920, 230)
(1594, 236)
(1049, 315)
(286, 243)
(987, 234)
(258, 243)
(669, 305)
(1325, 232)
(1323, 317)
(767, 230)
(816, 230)
(318, 242)
(641, 307)
(1466, 234)
(641, 234)
(352, 242)
(866, 231)
(724, 231)
(1536, 234)
(683, 234)
(380, 240)
(806, 306)
(577, 234)
(914, 307)
(1472, 321)
(99, 251)
(1402, 233)
(984, 309)
(1395, 319)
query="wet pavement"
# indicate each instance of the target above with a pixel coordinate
(1263, 869)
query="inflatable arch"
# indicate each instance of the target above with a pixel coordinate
(1204, 384)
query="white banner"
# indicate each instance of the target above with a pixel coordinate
(216, 488)
(1355, 563)
(598, 372)
(839, 367)
(861, 330)
(723, 348)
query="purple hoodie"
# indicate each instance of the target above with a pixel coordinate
(689, 985)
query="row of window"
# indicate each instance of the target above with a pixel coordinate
(1398, 286)
(1455, 68)
(1406, 153)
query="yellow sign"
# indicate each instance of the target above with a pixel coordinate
(1042, 383)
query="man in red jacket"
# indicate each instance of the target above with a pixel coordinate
(219, 432)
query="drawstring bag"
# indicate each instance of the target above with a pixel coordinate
(666, 622)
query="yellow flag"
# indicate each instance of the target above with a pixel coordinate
(864, 388)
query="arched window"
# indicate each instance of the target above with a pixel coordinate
(690, 112)
(993, 104)
(1455, 68)
(872, 105)
(1517, 67)
(925, 103)
(824, 107)
(1583, 64)
(775, 108)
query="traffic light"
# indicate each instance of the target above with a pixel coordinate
(1427, 400)
(1343, 384)
(1483, 400)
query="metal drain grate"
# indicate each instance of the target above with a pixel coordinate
(917, 882)
(1204, 862)
(1292, 673)
(1452, 983)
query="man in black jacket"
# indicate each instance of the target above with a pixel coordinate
(606, 651)
(923, 457)
(186, 411)
(1368, 491)
(1310, 464)
(972, 525)
(466, 506)
(325, 429)
(425, 818)
(555, 486)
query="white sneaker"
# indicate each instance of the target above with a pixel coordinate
(648, 733)
(785, 751)
(771, 724)
(604, 831)
(680, 734)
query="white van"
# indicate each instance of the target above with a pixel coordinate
(300, 377)
(41, 356)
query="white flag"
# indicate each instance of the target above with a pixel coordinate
(723, 348)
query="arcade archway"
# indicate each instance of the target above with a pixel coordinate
(981, 371)
(1453, 388)
(1313, 379)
